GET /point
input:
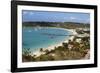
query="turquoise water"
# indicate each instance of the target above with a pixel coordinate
(36, 38)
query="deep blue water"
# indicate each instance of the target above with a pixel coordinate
(35, 38)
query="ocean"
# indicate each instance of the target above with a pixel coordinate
(42, 37)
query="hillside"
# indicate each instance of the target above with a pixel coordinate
(69, 25)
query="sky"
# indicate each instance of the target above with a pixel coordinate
(51, 16)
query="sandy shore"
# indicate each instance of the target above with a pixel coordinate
(38, 53)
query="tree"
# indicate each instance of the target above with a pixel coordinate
(26, 51)
(65, 45)
(41, 49)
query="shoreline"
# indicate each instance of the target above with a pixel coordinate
(38, 53)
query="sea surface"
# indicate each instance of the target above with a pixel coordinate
(42, 37)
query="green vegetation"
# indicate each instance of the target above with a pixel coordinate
(26, 56)
(68, 25)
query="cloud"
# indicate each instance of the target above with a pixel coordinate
(64, 18)
(88, 20)
(72, 18)
(31, 13)
(25, 12)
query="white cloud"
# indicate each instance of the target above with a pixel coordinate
(25, 12)
(65, 18)
(31, 13)
(88, 20)
(72, 18)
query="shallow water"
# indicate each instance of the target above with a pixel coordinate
(36, 38)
